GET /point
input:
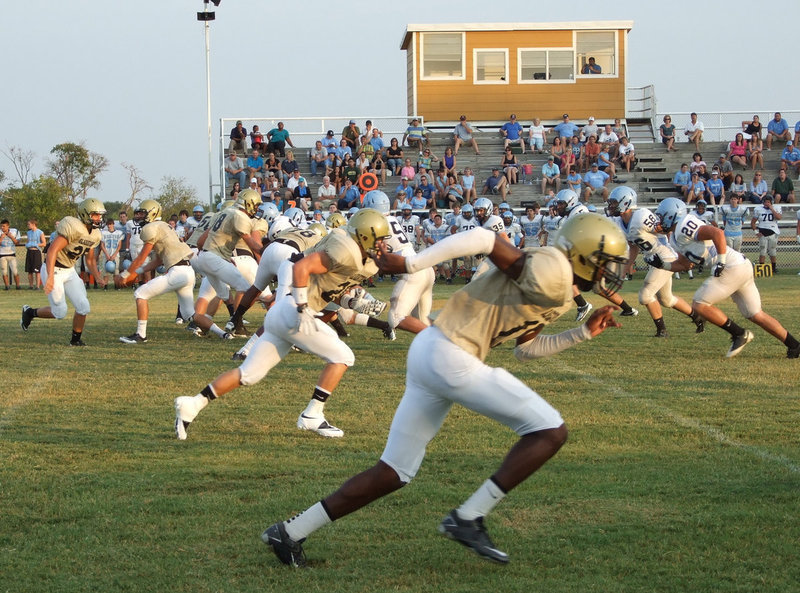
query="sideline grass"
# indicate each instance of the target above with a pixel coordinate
(681, 472)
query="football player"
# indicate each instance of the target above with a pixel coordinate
(525, 291)
(75, 238)
(513, 230)
(133, 229)
(699, 244)
(168, 250)
(484, 215)
(409, 222)
(702, 212)
(765, 222)
(323, 275)
(550, 223)
(531, 225)
(733, 215)
(640, 227)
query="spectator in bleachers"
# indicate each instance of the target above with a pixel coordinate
(590, 151)
(790, 158)
(568, 162)
(702, 170)
(319, 159)
(782, 188)
(379, 167)
(369, 130)
(455, 193)
(697, 191)
(725, 170)
(573, 181)
(777, 129)
(605, 162)
(596, 182)
(495, 184)
(366, 147)
(512, 133)
(254, 184)
(343, 153)
(440, 183)
(738, 189)
(234, 169)
(752, 127)
(558, 148)
(590, 129)
(715, 188)
(428, 189)
(302, 195)
(351, 135)
(337, 178)
(418, 201)
(415, 135)
(237, 187)
(619, 129)
(255, 165)
(289, 165)
(468, 183)
(448, 162)
(627, 154)
(566, 129)
(694, 131)
(376, 140)
(697, 162)
(462, 134)
(273, 165)
(737, 151)
(329, 142)
(326, 191)
(682, 181)
(537, 136)
(271, 189)
(257, 139)
(758, 188)
(551, 175)
(405, 187)
(510, 165)
(577, 152)
(609, 137)
(351, 171)
(349, 196)
(667, 133)
(238, 138)
(421, 172)
(278, 138)
(797, 133)
(426, 159)
(408, 169)
(363, 163)
(292, 182)
(394, 156)
(755, 150)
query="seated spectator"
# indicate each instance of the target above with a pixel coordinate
(537, 136)
(627, 155)
(351, 171)
(428, 190)
(782, 188)
(737, 152)
(551, 175)
(405, 187)
(702, 171)
(495, 184)
(698, 189)
(426, 159)
(408, 170)
(619, 129)
(683, 181)
(596, 182)
(777, 129)
(418, 202)
(401, 201)
(343, 153)
(234, 169)
(273, 165)
(694, 131)
(755, 149)
(326, 191)
(257, 139)
(566, 129)
(277, 139)
(797, 133)
(591, 67)
(362, 162)
(790, 158)
(559, 147)
(462, 134)
(738, 188)
(417, 179)
(752, 128)
(302, 195)
(697, 162)
(349, 196)
(271, 188)
(415, 135)
(379, 167)
(319, 159)
(394, 156)
(255, 184)
(237, 187)
(590, 151)
(574, 181)
(366, 147)
(568, 159)
(337, 178)
(329, 142)
(448, 162)
(610, 139)
(667, 133)
(590, 129)
(255, 165)
(577, 151)
(510, 165)
(512, 133)
(238, 138)
(715, 188)
(455, 193)
(468, 183)
(725, 169)
(758, 188)
(376, 141)
(605, 162)
(350, 135)
(291, 183)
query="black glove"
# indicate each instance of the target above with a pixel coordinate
(718, 269)
(654, 260)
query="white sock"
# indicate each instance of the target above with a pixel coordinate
(304, 524)
(482, 501)
(361, 319)
(216, 330)
(248, 345)
(141, 328)
(314, 409)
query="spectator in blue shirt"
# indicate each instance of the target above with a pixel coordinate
(376, 141)
(683, 181)
(596, 183)
(349, 196)
(328, 142)
(698, 189)
(418, 202)
(405, 188)
(566, 129)
(591, 68)
(512, 132)
(777, 129)
(715, 188)
(791, 157)
(255, 165)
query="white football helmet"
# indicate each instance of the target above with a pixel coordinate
(484, 208)
(568, 198)
(378, 200)
(467, 211)
(622, 199)
(268, 211)
(279, 225)
(669, 211)
(296, 216)
(352, 211)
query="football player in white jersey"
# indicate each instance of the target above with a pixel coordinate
(484, 214)
(323, 275)
(174, 255)
(513, 300)
(733, 216)
(504, 207)
(464, 222)
(531, 225)
(133, 229)
(409, 222)
(427, 224)
(513, 230)
(550, 223)
(702, 212)
(698, 244)
(75, 238)
(640, 227)
(765, 222)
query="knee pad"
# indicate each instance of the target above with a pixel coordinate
(59, 311)
(82, 306)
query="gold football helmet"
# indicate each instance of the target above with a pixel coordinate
(597, 249)
(335, 220)
(91, 206)
(150, 211)
(367, 227)
(318, 228)
(249, 201)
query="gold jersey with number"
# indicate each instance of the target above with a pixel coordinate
(166, 243)
(226, 230)
(493, 308)
(347, 269)
(79, 240)
(300, 239)
(202, 227)
(258, 225)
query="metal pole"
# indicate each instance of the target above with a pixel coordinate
(208, 106)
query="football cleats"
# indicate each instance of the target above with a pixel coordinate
(367, 227)
(148, 211)
(483, 209)
(622, 199)
(378, 200)
(467, 211)
(335, 220)
(669, 211)
(91, 206)
(597, 249)
(249, 201)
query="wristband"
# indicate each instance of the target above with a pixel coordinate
(300, 295)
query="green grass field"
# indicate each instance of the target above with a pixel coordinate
(681, 473)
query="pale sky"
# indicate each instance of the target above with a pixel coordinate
(128, 78)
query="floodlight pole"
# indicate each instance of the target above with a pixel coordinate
(207, 17)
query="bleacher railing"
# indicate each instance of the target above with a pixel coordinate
(722, 126)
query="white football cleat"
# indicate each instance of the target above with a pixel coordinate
(319, 425)
(583, 311)
(185, 411)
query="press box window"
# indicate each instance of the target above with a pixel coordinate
(491, 66)
(600, 45)
(442, 56)
(546, 65)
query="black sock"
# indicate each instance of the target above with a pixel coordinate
(178, 314)
(238, 314)
(229, 306)
(320, 394)
(579, 300)
(36, 312)
(733, 329)
(76, 336)
(338, 325)
(790, 341)
(208, 392)
(625, 306)
(660, 324)
(381, 325)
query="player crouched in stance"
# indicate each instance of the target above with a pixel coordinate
(698, 244)
(322, 275)
(524, 291)
(159, 238)
(76, 237)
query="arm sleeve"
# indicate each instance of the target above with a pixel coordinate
(473, 242)
(542, 346)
